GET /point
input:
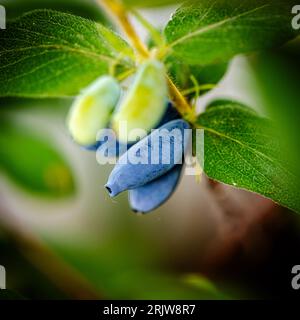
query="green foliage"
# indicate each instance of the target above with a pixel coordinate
(150, 3)
(206, 31)
(182, 73)
(280, 99)
(84, 8)
(51, 54)
(33, 163)
(242, 150)
(125, 274)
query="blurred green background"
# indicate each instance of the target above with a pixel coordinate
(62, 237)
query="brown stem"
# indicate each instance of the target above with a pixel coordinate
(119, 12)
(182, 105)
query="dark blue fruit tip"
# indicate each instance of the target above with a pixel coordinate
(112, 190)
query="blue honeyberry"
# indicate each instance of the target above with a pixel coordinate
(155, 193)
(111, 148)
(93, 147)
(150, 158)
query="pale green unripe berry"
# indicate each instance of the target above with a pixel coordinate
(92, 109)
(145, 103)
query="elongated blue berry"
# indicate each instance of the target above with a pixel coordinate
(92, 109)
(150, 158)
(153, 194)
(145, 103)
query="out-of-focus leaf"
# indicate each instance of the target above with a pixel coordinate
(276, 76)
(33, 163)
(10, 295)
(243, 150)
(205, 32)
(84, 8)
(202, 283)
(120, 274)
(150, 3)
(50, 54)
(55, 105)
(24, 281)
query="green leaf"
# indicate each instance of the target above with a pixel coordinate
(84, 8)
(211, 31)
(50, 54)
(181, 73)
(150, 3)
(242, 150)
(33, 163)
